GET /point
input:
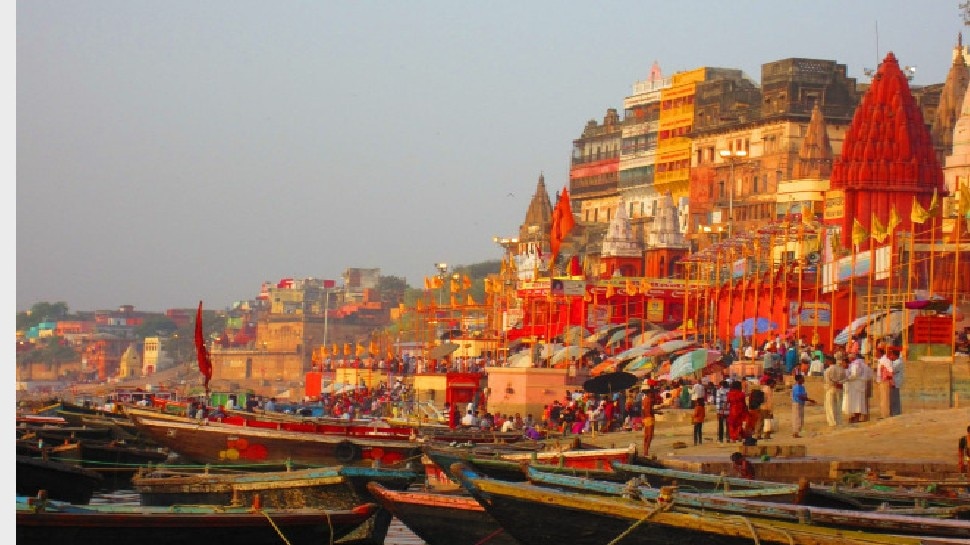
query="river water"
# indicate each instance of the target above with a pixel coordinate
(397, 534)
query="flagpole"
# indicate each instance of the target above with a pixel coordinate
(683, 323)
(931, 278)
(956, 280)
(757, 286)
(819, 237)
(909, 285)
(833, 271)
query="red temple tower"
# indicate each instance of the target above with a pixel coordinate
(887, 157)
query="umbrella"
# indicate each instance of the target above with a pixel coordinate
(752, 326)
(442, 350)
(641, 366)
(610, 382)
(521, 359)
(879, 323)
(620, 335)
(688, 363)
(568, 353)
(574, 335)
(673, 345)
(605, 366)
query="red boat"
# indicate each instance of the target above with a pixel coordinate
(238, 440)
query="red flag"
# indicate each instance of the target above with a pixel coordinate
(562, 223)
(205, 364)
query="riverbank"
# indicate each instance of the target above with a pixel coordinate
(926, 435)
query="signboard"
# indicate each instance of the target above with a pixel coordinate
(655, 310)
(811, 314)
(834, 204)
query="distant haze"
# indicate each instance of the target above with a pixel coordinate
(177, 151)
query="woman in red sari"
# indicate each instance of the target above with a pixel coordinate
(737, 412)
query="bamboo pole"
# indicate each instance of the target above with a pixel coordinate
(683, 322)
(958, 227)
(909, 287)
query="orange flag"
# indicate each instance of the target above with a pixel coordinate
(361, 350)
(348, 350)
(373, 348)
(562, 223)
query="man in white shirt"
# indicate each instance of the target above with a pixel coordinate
(854, 401)
(884, 381)
(749, 352)
(895, 406)
(469, 419)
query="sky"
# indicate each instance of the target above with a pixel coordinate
(171, 152)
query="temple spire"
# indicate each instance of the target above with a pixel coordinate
(620, 240)
(815, 155)
(951, 100)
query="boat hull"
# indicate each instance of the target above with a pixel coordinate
(62, 481)
(87, 526)
(225, 444)
(540, 515)
(443, 518)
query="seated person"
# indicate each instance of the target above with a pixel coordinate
(741, 466)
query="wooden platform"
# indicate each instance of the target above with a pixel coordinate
(817, 470)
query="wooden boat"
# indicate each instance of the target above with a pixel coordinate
(233, 441)
(69, 452)
(117, 461)
(506, 464)
(338, 487)
(442, 518)
(541, 515)
(62, 481)
(40, 521)
(420, 430)
(861, 497)
(782, 501)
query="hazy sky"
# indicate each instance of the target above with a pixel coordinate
(176, 151)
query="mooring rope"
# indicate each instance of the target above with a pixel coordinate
(663, 507)
(754, 533)
(280, 532)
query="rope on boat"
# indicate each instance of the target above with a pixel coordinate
(662, 507)
(280, 532)
(754, 533)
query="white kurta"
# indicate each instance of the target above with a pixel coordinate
(854, 398)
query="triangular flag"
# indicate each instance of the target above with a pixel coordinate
(325, 350)
(202, 352)
(963, 206)
(455, 286)
(934, 208)
(471, 301)
(361, 350)
(918, 214)
(879, 233)
(466, 283)
(336, 350)
(859, 234)
(427, 283)
(454, 300)
(609, 290)
(562, 223)
(348, 350)
(373, 348)
(894, 220)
